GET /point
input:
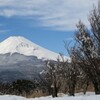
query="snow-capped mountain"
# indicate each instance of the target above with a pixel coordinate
(18, 44)
(22, 59)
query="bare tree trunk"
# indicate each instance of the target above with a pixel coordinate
(87, 84)
(72, 85)
(96, 87)
(71, 90)
(54, 91)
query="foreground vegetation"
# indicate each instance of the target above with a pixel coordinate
(84, 67)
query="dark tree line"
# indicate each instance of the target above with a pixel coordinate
(18, 87)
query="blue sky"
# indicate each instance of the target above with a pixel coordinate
(45, 22)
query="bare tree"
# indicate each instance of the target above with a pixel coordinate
(52, 76)
(87, 51)
(69, 72)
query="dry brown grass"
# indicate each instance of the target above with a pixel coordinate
(37, 93)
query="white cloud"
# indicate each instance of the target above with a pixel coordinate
(3, 31)
(56, 14)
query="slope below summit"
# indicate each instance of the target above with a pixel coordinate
(21, 45)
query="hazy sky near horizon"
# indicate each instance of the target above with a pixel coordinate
(45, 22)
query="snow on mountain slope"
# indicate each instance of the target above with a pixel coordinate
(18, 44)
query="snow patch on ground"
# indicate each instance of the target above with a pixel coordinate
(79, 96)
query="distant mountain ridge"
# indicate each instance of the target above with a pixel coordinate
(21, 45)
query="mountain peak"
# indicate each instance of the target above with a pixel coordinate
(16, 38)
(21, 45)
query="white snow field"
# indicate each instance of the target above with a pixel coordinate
(21, 45)
(79, 97)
